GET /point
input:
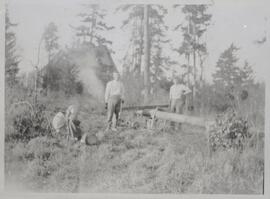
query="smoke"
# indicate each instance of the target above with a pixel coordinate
(87, 65)
(91, 83)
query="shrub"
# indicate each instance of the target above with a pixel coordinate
(229, 131)
(28, 122)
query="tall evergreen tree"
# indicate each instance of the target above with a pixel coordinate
(51, 46)
(51, 40)
(156, 36)
(158, 29)
(232, 82)
(195, 25)
(11, 57)
(227, 73)
(247, 74)
(93, 25)
(134, 21)
(147, 52)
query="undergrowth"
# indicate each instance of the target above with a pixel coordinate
(138, 161)
(129, 161)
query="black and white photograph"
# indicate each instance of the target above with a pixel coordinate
(134, 97)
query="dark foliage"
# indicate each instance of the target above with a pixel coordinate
(61, 74)
(29, 124)
(11, 57)
(229, 131)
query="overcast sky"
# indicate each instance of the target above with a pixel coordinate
(241, 23)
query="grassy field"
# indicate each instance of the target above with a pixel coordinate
(131, 161)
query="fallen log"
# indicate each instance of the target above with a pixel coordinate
(179, 118)
(145, 107)
(144, 113)
(174, 117)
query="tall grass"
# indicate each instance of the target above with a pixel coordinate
(137, 161)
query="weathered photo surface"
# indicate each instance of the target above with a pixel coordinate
(135, 98)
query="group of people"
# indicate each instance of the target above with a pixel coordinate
(114, 98)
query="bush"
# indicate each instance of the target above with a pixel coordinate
(229, 131)
(27, 122)
(61, 74)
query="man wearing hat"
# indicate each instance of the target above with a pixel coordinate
(114, 97)
(178, 92)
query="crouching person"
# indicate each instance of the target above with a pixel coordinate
(59, 123)
(114, 97)
(66, 123)
(73, 124)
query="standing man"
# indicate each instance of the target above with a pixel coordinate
(178, 92)
(114, 97)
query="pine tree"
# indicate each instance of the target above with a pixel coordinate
(196, 22)
(156, 36)
(158, 29)
(134, 21)
(227, 73)
(232, 82)
(92, 26)
(247, 74)
(51, 45)
(11, 58)
(51, 40)
(147, 51)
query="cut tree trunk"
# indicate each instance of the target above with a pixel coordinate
(174, 117)
(145, 107)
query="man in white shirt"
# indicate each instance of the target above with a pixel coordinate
(178, 92)
(114, 96)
